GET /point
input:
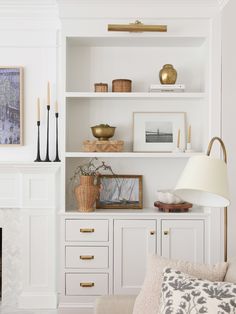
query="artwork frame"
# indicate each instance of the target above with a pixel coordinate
(111, 189)
(11, 117)
(145, 139)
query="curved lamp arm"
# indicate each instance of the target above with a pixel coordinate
(214, 139)
(221, 144)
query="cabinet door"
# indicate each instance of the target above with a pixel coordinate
(133, 241)
(183, 239)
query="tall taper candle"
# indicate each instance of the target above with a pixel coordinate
(189, 133)
(48, 94)
(47, 147)
(56, 107)
(38, 109)
(178, 139)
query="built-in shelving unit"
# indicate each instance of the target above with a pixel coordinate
(92, 55)
(91, 58)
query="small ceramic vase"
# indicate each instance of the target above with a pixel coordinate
(168, 74)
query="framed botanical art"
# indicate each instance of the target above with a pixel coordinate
(11, 105)
(158, 131)
(120, 191)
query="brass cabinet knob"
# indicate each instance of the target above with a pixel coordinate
(166, 232)
(86, 257)
(152, 232)
(87, 230)
(87, 284)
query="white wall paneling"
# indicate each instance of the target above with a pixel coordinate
(36, 205)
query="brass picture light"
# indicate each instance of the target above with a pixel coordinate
(136, 27)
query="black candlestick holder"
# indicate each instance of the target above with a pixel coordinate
(57, 159)
(38, 158)
(47, 159)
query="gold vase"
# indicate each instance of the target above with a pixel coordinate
(86, 194)
(168, 74)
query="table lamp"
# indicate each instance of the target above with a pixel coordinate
(204, 182)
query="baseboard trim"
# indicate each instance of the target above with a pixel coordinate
(30, 300)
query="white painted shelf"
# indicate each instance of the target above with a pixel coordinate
(134, 95)
(131, 154)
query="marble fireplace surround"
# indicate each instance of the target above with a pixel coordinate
(28, 207)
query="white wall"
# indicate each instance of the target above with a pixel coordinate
(28, 33)
(229, 109)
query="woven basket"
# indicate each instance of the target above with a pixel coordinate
(101, 87)
(86, 194)
(121, 86)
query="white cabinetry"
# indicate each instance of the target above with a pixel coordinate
(133, 241)
(111, 256)
(183, 239)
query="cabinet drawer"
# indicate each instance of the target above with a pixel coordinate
(86, 230)
(86, 284)
(86, 257)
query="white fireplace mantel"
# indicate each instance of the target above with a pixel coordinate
(29, 189)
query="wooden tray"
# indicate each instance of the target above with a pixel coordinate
(103, 146)
(173, 208)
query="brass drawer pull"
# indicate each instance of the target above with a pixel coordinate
(166, 232)
(152, 232)
(86, 257)
(87, 230)
(87, 284)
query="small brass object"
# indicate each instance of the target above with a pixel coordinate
(137, 26)
(86, 257)
(87, 230)
(166, 232)
(152, 232)
(103, 131)
(87, 284)
(168, 74)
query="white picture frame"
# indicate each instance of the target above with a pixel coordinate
(158, 131)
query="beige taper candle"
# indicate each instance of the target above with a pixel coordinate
(48, 94)
(189, 133)
(56, 107)
(38, 109)
(178, 139)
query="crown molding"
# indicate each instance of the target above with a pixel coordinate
(100, 9)
(29, 9)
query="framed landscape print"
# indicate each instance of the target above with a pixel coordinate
(120, 191)
(158, 131)
(11, 105)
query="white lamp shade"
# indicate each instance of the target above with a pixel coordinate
(204, 182)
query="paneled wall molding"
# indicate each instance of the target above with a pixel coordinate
(28, 185)
(31, 188)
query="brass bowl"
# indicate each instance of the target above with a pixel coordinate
(103, 133)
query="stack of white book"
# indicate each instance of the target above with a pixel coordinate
(167, 88)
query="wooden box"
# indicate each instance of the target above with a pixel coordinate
(101, 87)
(103, 146)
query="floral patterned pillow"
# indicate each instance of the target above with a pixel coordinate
(182, 294)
